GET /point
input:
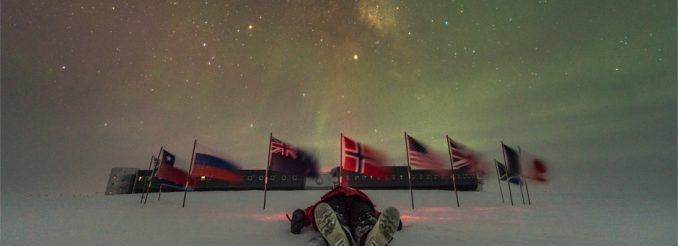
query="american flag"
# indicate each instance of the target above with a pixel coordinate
(282, 148)
(422, 157)
(363, 159)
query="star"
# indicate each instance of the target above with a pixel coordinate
(250, 27)
(355, 56)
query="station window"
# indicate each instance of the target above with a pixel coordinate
(356, 177)
(271, 178)
(249, 178)
(261, 177)
(435, 177)
(401, 177)
(294, 178)
(428, 177)
(283, 178)
(364, 177)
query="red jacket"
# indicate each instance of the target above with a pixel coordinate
(337, 191)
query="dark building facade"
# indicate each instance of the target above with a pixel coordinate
(421, 179)
(254, 180)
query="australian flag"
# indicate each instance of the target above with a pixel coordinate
(513, 162)
(362, 159)
(287, 159)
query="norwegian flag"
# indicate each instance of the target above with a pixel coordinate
(363, 159)
(464, 159)
(282, 148)
(420, 156)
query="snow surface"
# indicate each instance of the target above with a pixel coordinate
(237, 218)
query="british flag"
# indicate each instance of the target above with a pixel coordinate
(465, 159)
(420, 156)
(363, 159)
(282, 148)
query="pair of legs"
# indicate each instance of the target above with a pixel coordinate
(345, 221)
(354, 214)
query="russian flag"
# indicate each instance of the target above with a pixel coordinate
(210, 163)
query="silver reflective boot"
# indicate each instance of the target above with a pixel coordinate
(382, 232)
(329, 226)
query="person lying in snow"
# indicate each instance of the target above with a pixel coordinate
(346, 216)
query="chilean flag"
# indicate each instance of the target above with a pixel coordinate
(362, 159)
(210, 163)
(170, 174)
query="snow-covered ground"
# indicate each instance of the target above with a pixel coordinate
(237, 218)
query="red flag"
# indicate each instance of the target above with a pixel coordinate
(174, 175)
(363, 159)
(534, 167)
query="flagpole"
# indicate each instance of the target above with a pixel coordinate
(190, 169)
(150, 180)
(454, 180)
(143, 188)
(341, 158)
(409, 168)
(160, 192)
(529, 201)
(496, 168)
(268, 165)
(520, 175)
(508, 172)
(136, 178)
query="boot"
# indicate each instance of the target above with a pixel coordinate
(382, 232)
(329, 226)
(297, 221)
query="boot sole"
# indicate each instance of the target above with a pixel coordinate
(386, 226)
(329, 226)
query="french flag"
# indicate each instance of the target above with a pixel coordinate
(210, 163)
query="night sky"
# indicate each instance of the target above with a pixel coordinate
(89, 85)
